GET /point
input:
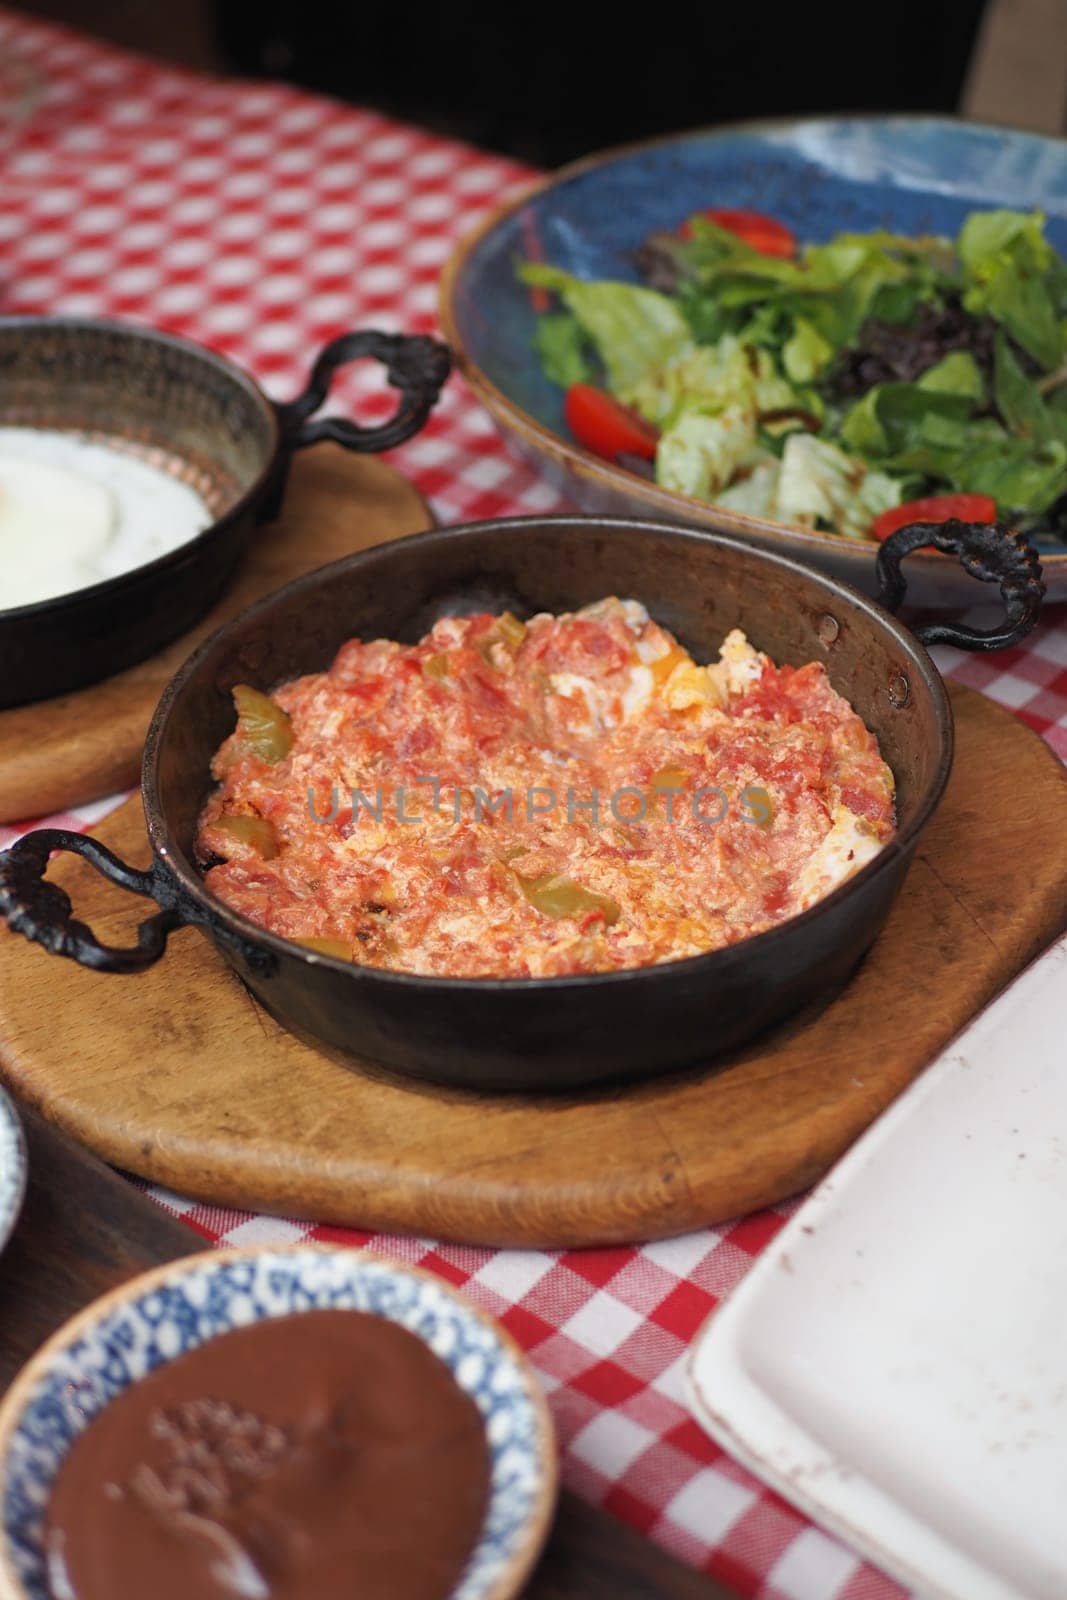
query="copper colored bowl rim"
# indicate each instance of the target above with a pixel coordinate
(230, 372)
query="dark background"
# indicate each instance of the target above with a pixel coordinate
(548, 82)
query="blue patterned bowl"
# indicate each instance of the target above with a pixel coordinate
(910, 174)
(163, 1313)
(12, 1168)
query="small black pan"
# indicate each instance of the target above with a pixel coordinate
(192, 414)
(543, 1033)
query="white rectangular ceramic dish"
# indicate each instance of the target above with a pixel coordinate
(896, 1363)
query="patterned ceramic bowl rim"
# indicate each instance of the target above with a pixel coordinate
(502, 1583)
(583, 463)
(13, 1168)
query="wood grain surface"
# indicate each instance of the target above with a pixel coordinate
(178, 1074)
(64, 752)
(84, 1231)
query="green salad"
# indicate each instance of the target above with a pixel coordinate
(830, 386)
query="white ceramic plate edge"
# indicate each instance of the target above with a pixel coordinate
(759, 1430)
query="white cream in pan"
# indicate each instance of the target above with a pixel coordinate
(74, 511)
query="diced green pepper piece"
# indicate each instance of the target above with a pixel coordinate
(328, 947)
(556, 895)
(254, 831)
(511, 630)
(262, 727)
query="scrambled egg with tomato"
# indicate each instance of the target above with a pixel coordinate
(572, 794)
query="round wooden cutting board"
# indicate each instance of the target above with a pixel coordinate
(65, 752)
(178, 1075)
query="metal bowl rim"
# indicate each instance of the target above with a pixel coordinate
(230, 372)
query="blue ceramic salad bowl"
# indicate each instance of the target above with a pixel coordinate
(163, 1313)
(910, 175)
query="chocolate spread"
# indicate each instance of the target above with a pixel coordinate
(325, 1454)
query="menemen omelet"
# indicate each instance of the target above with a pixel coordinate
(571, 794)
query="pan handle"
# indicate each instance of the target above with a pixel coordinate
(415, 364)
(42, 911)
(988, 551)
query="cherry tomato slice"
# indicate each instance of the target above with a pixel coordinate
(606, 427)
(936, 508)
(765, 234)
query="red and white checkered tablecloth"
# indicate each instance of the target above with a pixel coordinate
(263, 221)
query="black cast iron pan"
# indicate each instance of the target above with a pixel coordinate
(553, 1033)
(193, 414)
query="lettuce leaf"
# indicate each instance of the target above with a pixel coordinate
(893, 417)
(806, 353)
(1018, 475)
(709, 378)
(986, 236)
(1018, 398)
(820, 486)
(957, 373)
(563, 347)
(1007, 263)
(700, 453)
(634, 330)
(756, 494)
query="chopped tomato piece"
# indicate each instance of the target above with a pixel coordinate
(936, 508)
(765, 234)
(606, 427)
